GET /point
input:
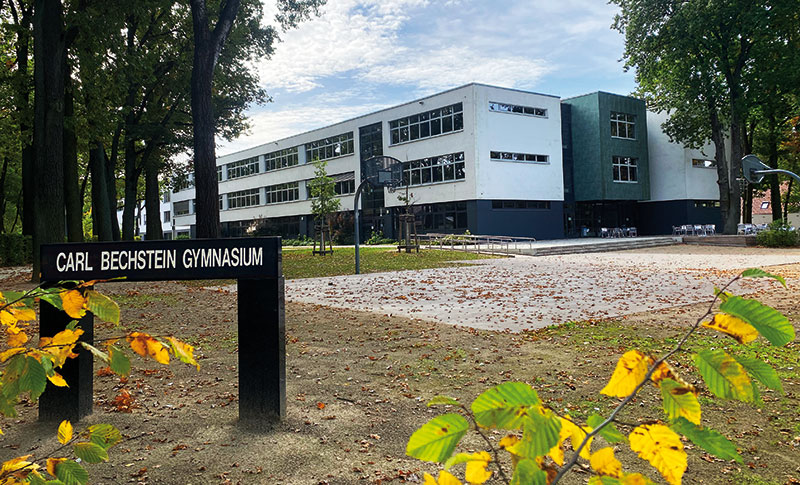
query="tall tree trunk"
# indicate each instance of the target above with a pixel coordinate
(207, 47)
(786, 201)
(131, 181)
(3, 195)
(747, 210)
(24, 15)
(50, 57)
(111, 183)
(772, 161)
(152, 200)
(102, 211)
(72, 200)
(730, 214)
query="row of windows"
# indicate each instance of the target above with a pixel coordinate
(625, 169)
(443, 217)
(244, 198)
(281, 159)
(331, 147)
(519, 157)
(710, 204)
(521, 204)
(623, 125)
(445, 168)
(520, 110)
(282, 193)
(242, 168)
(342, 187)
(427, 124)
(696, 162)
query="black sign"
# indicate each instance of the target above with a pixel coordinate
(163, 260)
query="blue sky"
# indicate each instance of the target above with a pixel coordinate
(363, 55)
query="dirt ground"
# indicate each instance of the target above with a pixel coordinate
(357, 384)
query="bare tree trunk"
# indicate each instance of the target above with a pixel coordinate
(50, 56)
(729, 211)
(207, 47)
(131, 181)
(102, 212)
(111, 183)
(152, 201)
(786, 201)
(3, 195)
(72, 200)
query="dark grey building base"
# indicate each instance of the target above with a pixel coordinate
(537, 223)
(656, 218)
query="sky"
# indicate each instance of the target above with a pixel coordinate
(360, 56)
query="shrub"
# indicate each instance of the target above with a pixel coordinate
(377, 237)
(779, 235)
(300, 241)
(15, 249)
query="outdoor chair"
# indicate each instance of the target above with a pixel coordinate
(711, 229)
(632, 232)
(604, 232)
(676, 230)
(617, 232)
(688, 230)
(699, 230)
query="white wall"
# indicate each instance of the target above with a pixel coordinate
(672, 176)
(517, 133)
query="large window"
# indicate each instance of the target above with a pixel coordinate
(280, 159)
(521, 204)
(219, 173)
(625, 169)
(343, 184)
(448, 216)
(244, 198)
(696, 162)
(427, 124)
(444, 168)
(283, 192)
(180, 208)
(243, 168)
(331, 147)
(623, 125)
(517, 109)
(519, 157)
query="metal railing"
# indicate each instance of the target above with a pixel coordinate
(477, 243)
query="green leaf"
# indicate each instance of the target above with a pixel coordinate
(102, 307)
(528, 473)
(761, 371)
(598, 480)
(724, 376)
(458, 459)
(90, 452)
(119, 362)
(71, 473)
(760, 273)
(436, 439)
(609, 432)
(540, 434)
(53, 297)
(24, 374)
(708, 439)
(35, 478)
(770, 323)
(723, 295)
(504, 406)
(104, 435)
(679, 401)
(72, 325)
(95, 351)
(443, 400)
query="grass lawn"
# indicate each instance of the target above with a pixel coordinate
(300, 263)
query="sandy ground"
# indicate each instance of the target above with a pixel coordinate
(533, 292)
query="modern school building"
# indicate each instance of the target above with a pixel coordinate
(482, 158)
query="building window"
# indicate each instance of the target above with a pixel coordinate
(181, 208)
(625, 169)
(243, 168)
(765, 204)
(283, 192)
(517, 109)
(623, 125)
(166, 216)
(448, 216)
(519, 157)
(331, 147)
(220, 201)
(696, 162)
(343, 184)
(706, 204)
(167, 196)
(219, 173)
(444, 168)
(244, 198)
(281, 159)
(427, 124)
(521, 204)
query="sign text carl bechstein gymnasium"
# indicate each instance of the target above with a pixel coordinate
(162, 260)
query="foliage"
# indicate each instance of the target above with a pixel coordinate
(539, 432)
(27, 366)
(15, 249)
(377, 238)
(299, 241)
(779, 235)
(322, 189)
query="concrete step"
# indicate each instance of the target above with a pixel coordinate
(621, 245)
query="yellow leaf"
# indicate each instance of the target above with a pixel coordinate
(445, 478)
(74, 303)
(16, 336)
(557, 452)
(11, 353)
(52, 463)
(740, 330)
(429, 480)
(60, 346)
(635, 479)
(183, 351)
(57, 380)
(604, 463)
(476, 472)
(629, 373)
(23, 313)
(18, 467)
(6, 318)
(665, 371)
(145, 345)
(507, 444)
(662, 447)
(576, 435)
(64, 432)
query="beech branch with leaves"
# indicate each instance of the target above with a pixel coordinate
(25, 370)
(536, 446)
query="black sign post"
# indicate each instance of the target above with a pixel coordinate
(254, 262)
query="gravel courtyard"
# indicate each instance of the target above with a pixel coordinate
(534, 292)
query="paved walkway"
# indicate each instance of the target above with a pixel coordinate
(534, 292)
